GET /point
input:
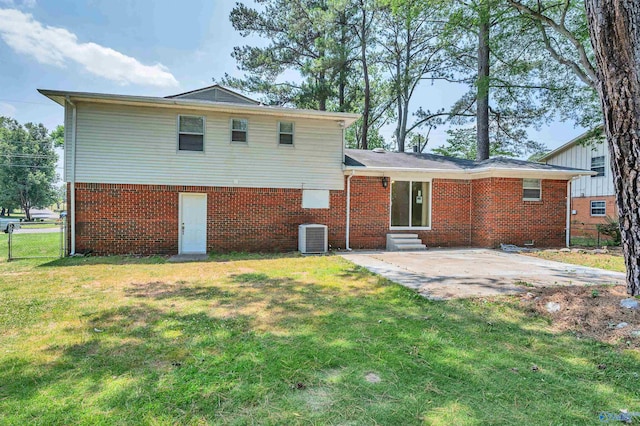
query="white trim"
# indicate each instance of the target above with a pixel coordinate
(539, 188)
(417, 174)
(411, 228)
(231, 130)
(227, 107)
(204, 126)
(180, 196)
(293, 134)
(591, 208)
(72, 208)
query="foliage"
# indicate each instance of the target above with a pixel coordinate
(611, 229)
(27, 165)
(57, 136)
(461, 143)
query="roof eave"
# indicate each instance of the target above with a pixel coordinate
(59, 96)
(469, 173)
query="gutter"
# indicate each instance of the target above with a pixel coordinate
(348, 211)
(475, 171)
(72, 209)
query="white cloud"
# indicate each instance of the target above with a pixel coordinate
(26, 3)
(7, 110)
(57, 46)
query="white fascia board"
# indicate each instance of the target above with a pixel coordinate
(227, 107)
(466, 174)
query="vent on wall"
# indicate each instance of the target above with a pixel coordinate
(312, 238)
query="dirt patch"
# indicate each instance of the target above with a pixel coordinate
(592, 312)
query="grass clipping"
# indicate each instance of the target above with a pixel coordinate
(592, 312)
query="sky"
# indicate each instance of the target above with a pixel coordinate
(143, 47)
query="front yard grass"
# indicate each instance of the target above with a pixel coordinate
(283, 340)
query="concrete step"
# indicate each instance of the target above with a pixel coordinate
(410, 246)
(402, 236)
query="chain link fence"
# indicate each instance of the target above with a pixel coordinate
(36, 240)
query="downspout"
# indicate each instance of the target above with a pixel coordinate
(348, 210)
(72, 209)
(568, 232)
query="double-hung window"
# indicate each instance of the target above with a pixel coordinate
(285, 133)
(597, 165)
(239, 130)
(531, 189)
(598, 208)
(190, 133)
(410, 204)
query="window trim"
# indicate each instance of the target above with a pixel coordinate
(231, 141)
(539, 188)
(178, 133)
(603, 167)
(604, 202)
(280, 132)
(412, 228)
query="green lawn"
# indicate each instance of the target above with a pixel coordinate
(283, 340)
(611, 262)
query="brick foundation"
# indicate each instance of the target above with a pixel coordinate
(143, 219)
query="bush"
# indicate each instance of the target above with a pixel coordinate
(610, 229)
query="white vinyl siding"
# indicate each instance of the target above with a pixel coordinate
(68, 147)
(579, 157)
(125, 144)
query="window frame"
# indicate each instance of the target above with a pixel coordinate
(411, 228)
(178, 133)
(280, 132)
(231, 130)
(539, 188)
(603, 167)
(604, 208)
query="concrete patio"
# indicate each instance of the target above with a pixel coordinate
(458, 273)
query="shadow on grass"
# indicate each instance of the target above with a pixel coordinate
(158, 259)
(185, 353)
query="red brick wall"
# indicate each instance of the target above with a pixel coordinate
(143, 219)
(582, 223)
(500, 215)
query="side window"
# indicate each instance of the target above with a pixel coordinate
(239, 130)
(531, 189)
(597, 165)
(598, 208)
(190, 133)
(285, 133)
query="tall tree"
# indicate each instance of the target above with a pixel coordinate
(27, 164)
(411, 53)
(614, 26)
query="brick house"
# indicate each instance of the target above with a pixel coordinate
(593, 198)
(212, 171)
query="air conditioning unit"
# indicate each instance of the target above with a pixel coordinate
(312, 238)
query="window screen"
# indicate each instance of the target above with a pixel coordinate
(190, 133)
(531, 189)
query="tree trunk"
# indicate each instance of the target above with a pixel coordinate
(342, 76)
(614, 26)
(482, 101)
(367, 84)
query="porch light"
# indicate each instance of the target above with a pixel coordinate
(385, 181)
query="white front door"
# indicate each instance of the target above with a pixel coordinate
(192, 230)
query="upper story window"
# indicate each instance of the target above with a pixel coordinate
(190, 133)
(285, 133)
(597, 165)
(531, 189)
(239, 130)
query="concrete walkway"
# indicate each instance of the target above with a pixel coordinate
(458, 273)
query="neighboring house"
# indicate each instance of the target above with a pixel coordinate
(592, 197)
(213, 171)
